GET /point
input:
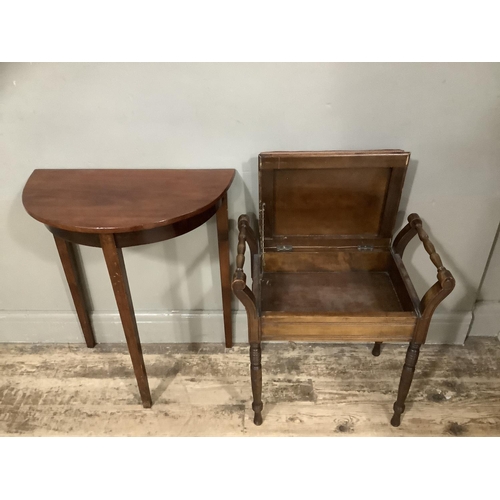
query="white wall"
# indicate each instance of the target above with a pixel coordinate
(223, 115)
(486, 311)
(490, 287)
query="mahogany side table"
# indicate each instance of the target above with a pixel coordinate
(118, 208)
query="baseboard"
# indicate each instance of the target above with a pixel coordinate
(449, 328)
(154, 327)
(486, 322)
(183, 327)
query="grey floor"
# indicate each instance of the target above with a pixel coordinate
(204, 390)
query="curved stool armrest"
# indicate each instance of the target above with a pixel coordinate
(241, 290)
(445, 281)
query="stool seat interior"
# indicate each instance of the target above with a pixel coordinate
(359, 292)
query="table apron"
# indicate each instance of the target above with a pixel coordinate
(142, 237)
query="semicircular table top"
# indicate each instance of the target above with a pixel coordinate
(121, 200)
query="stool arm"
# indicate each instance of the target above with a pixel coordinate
(241, 290)
(445, 281)
(251, 237)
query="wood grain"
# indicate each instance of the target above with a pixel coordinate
(72, 269)
(335, 260)
(121, 200)
(142, 237)
(334, 159)
(403, 284)
(336, 331)
(324, 197)
(328, 271)
(333, 152)
(119, 281)
(347, 292)
(311, 390)
(225, 279)
(345, 201)
(113, 209)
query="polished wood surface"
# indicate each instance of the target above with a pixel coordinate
(239, 283)
(405, 382)
(113, 209)
(142, 237)
(121, 200)
(72, 269)
(256, 378)
(335, 331)
(306, 155)
(223, 239)
(445, 281)
(337, 326)
(119, 281)
(326, 270)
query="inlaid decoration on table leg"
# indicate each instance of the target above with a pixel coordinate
(119, 281)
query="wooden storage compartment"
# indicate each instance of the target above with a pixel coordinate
(323, 267)
(327, 223)
(313, 304)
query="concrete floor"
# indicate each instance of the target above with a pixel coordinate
(204, 390)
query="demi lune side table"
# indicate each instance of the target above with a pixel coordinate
(118, 208)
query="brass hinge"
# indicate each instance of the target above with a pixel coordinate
(365, 248)
(284, 248)
(262, 235)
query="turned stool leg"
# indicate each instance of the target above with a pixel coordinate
(118, 275)
(256, 374)
(72, 270)
(376, 348)
(405, 382)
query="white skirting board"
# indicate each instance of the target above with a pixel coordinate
(183, 327)
(486, 322)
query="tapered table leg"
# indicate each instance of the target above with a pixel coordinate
(72, 270)
(116, 268)
(223, 238)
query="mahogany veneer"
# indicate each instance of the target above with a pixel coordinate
(117, 208)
